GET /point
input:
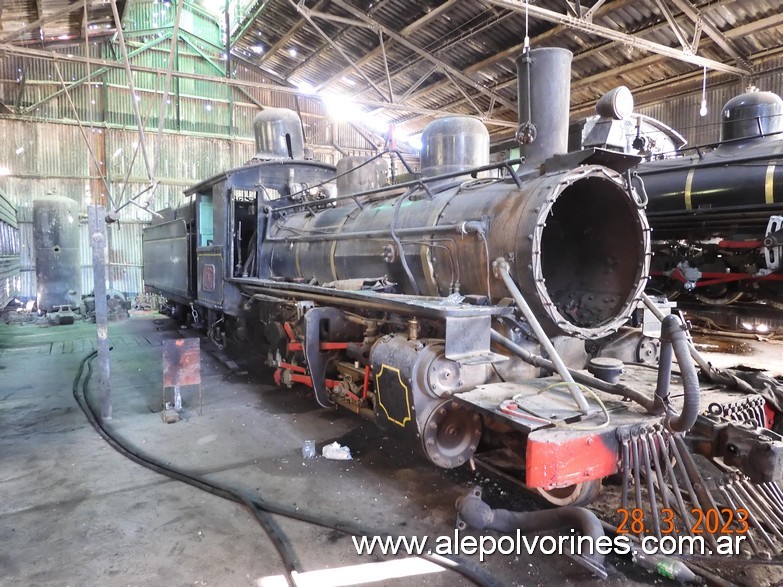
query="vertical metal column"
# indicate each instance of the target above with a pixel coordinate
(97, 226)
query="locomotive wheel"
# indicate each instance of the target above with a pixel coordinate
(722, 297)
(579, 494)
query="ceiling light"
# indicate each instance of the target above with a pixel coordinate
(257, 49)
(292, 52)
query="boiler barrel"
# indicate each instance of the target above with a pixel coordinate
(736, 188)
(578, 245)
(57, 263)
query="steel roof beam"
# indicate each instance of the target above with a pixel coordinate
(425, 54)
(106, 64)
(630, 40)
(713, 32)
(334, 46)
(50, 56)
(286, 38)
(406, 32)
(249, 21)
(754, 27)
(38, 24)
(675, 27)
(324, 46)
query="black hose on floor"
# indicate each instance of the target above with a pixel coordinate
(276, 535)
(260, 508)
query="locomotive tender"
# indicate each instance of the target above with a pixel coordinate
(439, 308)
(717, 215)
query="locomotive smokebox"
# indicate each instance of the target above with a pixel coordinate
(544, 99)
(453, 144)
(751, 115)
(278, 133)
(57, 264)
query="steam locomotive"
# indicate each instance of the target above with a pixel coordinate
(452, 310)
(717, 216)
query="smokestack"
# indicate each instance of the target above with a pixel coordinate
(544, 99)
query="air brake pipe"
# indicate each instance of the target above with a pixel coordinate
(416, 183)
(673, 338)
(474, 226)
(473, 512)
(538, 361)
(501, 270)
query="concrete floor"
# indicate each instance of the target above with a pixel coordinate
(73, 511)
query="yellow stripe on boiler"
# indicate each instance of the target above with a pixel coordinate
(689, 186)
(769, 181)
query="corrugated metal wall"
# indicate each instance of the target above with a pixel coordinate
(209, 128)
(50, 158)
(682, 112)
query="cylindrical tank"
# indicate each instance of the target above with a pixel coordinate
(355, 174)
(57, 264)
(578, 245)
(454, 143)
(751, 115)
(278, 133)
(544, 98)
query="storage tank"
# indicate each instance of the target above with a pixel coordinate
(57, 264)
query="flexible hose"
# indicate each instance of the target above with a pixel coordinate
(280, 541)
(476, 513)
(258, 506)
(674, 339)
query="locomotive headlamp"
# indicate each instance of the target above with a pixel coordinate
(617, 104)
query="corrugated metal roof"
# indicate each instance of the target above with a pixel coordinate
(477, 38)
(472, 33)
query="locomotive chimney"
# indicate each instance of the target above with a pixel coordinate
(543, 100)
(279, 135)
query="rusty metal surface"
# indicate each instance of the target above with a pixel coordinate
(181, 362)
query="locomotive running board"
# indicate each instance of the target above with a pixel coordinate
(419, 306)
(534, 412)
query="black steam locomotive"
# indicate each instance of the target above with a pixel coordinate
(452, 310)
(717, 216)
